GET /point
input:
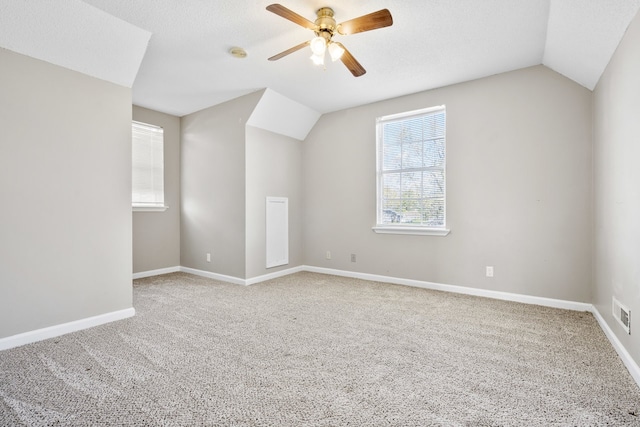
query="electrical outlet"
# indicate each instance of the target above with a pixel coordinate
(208, 257)
(353, 257)
(328, 254)
(489, 271)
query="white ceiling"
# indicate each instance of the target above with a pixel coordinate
(432, 43)
(74, 35)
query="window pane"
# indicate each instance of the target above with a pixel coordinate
(392, 133)
(391, 186)
(433, 183)
(434, 153)
(411, 211)
(433, 212)
(434, 125)
(412, 155)
(392, 155)
(412, 130)
(391, 212)
(411, 185)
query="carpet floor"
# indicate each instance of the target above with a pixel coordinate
(316, 350)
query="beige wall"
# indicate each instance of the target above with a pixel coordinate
(156, 235)
(65, 186)
(518, 189)
(228, 169)
(274, 168)
(213, 187)
(617, 186)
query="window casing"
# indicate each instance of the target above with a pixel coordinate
(147, 167)
(411, 172)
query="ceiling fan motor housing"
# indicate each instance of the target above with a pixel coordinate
(325, 23)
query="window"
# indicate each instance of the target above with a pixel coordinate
(148, 167)
(411, 157)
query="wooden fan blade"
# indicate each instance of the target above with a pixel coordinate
(288, 51)
(350, 62)
(372, 21)
(280, 10)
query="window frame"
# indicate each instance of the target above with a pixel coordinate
(386, 228)
(150, 207)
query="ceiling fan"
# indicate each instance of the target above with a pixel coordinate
(325, 28)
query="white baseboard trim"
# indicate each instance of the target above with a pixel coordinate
(274, 275)
(507, 296)
(215, 276)
(157, 272)
(628, 361)
(239, 281)
(64, 328)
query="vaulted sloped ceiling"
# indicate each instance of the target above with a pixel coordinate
(74, 35)
(432, 43)
(582, 36)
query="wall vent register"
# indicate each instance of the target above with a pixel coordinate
(622, 315)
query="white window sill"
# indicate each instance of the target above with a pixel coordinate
(418, 231)
(150, 208)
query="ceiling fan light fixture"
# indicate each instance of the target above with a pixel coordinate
(317, 59)
(335, 51)
(318, 46)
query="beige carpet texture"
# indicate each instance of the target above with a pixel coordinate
(317, 350)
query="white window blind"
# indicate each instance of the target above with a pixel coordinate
(148, 166)
(411, 169)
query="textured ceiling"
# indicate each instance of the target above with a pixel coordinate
(432, 43)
